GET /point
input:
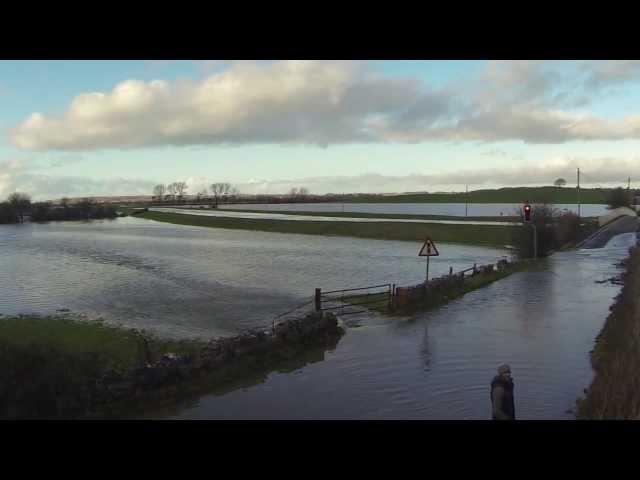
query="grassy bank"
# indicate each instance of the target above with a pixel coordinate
(64, 367)
(53, 366)
(615, 390)
(467, 234)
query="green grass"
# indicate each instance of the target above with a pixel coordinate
(55, 367)
(465, 234)
(501, 195)
(66, 334)
(52, 366)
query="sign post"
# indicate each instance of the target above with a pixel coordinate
(428, 250)
(527, 219)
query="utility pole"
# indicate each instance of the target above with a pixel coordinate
(578, 193)
(466, 201)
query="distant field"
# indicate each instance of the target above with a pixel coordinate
(502, 195)
(467, 234)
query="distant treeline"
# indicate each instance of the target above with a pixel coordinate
(84, 210)
(548, 195)
(18, 206)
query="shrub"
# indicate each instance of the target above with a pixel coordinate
(618, 197)
(567, 228)
(542, 217)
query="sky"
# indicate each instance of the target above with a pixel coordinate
(96, 128)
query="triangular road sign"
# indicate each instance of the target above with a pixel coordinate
(428, 249)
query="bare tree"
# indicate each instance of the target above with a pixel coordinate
(19, 202)
(218, 189)
(180, 189)
(171, 190)
(303, 192)
(202, 194)
(561, 182)
(159, 190)
(293, 193)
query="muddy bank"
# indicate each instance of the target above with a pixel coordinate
(615, 390)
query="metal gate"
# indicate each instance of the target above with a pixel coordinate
(338, 300)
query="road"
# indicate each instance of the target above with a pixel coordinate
(599, 239)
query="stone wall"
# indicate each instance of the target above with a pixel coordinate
(219, 360)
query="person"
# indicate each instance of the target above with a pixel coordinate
(502, 395)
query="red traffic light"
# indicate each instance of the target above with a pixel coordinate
(527, 213)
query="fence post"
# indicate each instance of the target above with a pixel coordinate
(474, 269)
(317, 299)
(450, 271)
(392, 291)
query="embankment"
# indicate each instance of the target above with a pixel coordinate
(60, 367)
(492, 235)
(440, 290)
(615, 390)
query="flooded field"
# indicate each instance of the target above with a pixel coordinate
(190, 281)
(454, 209)
(194, 281)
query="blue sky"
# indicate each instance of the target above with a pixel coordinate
(118, 127)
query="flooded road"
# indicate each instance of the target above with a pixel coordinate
(438, 365)
(190, 281)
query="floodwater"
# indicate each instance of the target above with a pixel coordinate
(186, 281)
(190, 281)
(438, 364)
(316, 218)
(453, 209)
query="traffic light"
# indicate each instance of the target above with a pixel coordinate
(527, 213)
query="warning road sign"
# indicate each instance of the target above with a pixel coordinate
(428, 249)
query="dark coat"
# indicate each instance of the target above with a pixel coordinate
(502, 399)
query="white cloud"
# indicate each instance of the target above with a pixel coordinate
(295, 101)
(601, 74)
(15, 176)
(594, 172)
(329, 102)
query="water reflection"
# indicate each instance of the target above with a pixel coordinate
(438, 365)
(425, 351)
(186, 281)
(454, 209)
(192, 281)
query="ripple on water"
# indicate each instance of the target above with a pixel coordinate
(435, 365)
